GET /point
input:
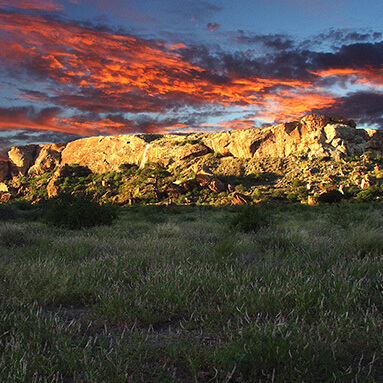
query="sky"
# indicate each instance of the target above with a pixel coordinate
(79, 68)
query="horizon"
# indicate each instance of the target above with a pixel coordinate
(80, 68)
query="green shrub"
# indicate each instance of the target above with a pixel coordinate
(302, 192)
(279, 194)
(297, 182)
(240, 188)
(330, 196)
(367, 194)
(293, 196)
(250, 218)
(257, 194)
(77, 211)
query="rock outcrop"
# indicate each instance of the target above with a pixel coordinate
(34, 159)
(22, 158)
(4, 170)
(49, 156)
(314, 136)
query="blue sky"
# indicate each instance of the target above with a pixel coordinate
(76, 68)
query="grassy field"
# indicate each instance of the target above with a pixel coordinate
(181, 294)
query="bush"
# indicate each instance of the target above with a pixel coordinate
(367, 194)
(76, 212)
(257, 194)
(279, 194)
(250, 218)
(330, 196)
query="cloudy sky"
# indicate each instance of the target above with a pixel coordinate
(75, 68)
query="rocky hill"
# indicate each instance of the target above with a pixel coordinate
(275, 157)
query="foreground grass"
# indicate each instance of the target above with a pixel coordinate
(177, 295)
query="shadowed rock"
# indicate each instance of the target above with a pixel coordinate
(4, 170)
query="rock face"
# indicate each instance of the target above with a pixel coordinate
(4, 170)
(49, 156)
(313, 136)
(34, 159)
(22, 158)
(105, 154)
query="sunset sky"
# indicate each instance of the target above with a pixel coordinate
(76, 68)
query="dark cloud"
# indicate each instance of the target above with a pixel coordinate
(213, 26)
(276, 41)
(337, 37)
(358, 55)
(364, 107)
(27, 115)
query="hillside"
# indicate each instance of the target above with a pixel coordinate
(316, 158)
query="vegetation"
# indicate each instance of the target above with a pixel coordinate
(180, 294)
(75, 212)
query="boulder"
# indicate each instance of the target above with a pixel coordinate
(48, 158)
(3, 188)
(53, 187)
(5, 197)
(22, 158)
(174, 190)
(240, 199)
(206, 179)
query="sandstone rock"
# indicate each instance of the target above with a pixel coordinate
(368, 181)
(22, 158)
(53, 187)
(174, 190)
(4, 170)
(216, 185)
(314, 136)
(239, 199)
(104, 154)
(3, 188)
(205, 178)
(48, 158)
(5, 197)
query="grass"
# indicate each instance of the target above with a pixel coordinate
(179, 294)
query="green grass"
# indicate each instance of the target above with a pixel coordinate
(179, 294)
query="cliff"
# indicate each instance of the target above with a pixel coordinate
(314, 136)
